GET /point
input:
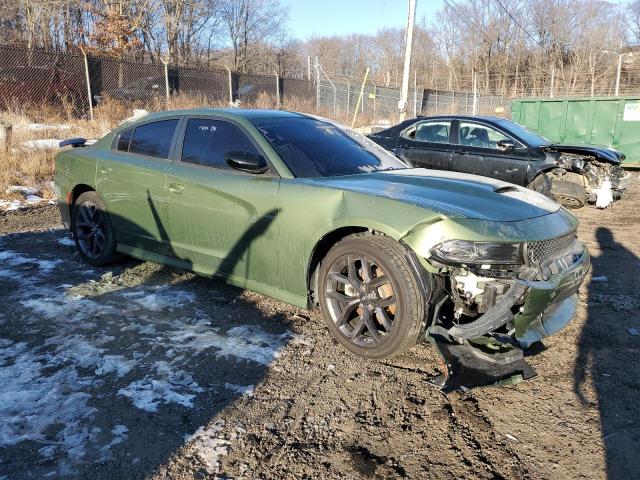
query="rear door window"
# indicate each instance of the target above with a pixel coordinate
(153, 139)
(207, 141)
(431, 131)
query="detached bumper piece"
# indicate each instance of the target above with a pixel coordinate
(466, 367)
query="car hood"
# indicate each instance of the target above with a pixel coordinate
(604, 154)
(456, 195)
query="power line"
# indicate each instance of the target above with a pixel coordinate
(518, 24)
(482, 31)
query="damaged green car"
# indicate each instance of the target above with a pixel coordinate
(309, 212)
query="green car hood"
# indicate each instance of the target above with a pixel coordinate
(455, 195)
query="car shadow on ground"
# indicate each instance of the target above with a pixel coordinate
(107, 372)
(605, 342)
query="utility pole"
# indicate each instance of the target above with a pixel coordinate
(402, 104)
(618, 74)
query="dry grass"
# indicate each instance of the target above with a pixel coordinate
(35, 168)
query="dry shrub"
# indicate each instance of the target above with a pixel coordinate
(35, 168)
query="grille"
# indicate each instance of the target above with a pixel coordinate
(538, 251)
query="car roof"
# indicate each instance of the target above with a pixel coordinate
(232, 113)
(486, 118)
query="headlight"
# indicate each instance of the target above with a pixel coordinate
(464, 251)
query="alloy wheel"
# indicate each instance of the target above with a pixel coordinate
(90, 229)
(361, 300)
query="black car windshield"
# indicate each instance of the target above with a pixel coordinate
(319, 148)
(527, 136)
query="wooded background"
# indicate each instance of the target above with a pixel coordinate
(514, 47)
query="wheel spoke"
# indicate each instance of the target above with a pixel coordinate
(346, 312)
(340, 297)
(381, 315)
(366, 269)
(357, 328)
(353, 271)
(386, 302)
(379, 281)
(366, 316)
(83, 235)
(83, 211)
(338, 277)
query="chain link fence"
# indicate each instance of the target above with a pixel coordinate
(444, 102)
(75, 84)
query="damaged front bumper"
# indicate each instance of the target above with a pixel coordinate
(489, 349)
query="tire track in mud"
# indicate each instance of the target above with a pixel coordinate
(473, 436)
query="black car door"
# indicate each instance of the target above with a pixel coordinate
(484, 150)
(426, 144)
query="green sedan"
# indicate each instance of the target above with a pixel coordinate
(309, 212)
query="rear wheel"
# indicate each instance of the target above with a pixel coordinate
(569, 194)
(92, 230)
(370, 296)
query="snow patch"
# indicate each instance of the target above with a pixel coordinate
(604, 197)
(47, 126)
(210, 445)
(42, 144)
(67, 242)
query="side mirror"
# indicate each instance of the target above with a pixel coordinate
(506, 145)
(246, 161)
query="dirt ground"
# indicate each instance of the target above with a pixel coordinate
(142, 371)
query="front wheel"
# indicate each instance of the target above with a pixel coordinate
(569, 194)
(92, 230)
(371, 297)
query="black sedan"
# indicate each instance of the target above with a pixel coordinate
(502, 149)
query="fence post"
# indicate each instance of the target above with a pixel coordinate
(86, 73)
(316, 66)
(5, 135)
(277, 91)
(166, 78)
(415, 94)
(355, 111)
(474, 108)
(230, 85)
(348, 96)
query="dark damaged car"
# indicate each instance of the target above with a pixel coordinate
(309, 212)
(505, 150)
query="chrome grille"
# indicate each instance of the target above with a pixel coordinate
(544, 249)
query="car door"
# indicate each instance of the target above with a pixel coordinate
(426, 144)
(479, 152)
(222, 221)
(131, 181)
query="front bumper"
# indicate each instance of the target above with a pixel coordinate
(544, 308)
(550, 305)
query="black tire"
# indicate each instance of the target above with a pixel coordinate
(569, 194)
(92, 230)
(542, 184)
(393, 300)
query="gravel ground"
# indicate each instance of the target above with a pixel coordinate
(143, 371)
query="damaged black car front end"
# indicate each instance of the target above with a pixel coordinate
(597, 170)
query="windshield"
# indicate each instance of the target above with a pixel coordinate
(530, 138)
(319, 148)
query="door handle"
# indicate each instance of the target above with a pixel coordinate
(176, 188)
(461, 151)
(104, 170)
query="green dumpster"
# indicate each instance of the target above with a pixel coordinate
(610, 121)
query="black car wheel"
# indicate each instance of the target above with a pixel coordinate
(370, 296)
(569, 194)
(92, 230)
